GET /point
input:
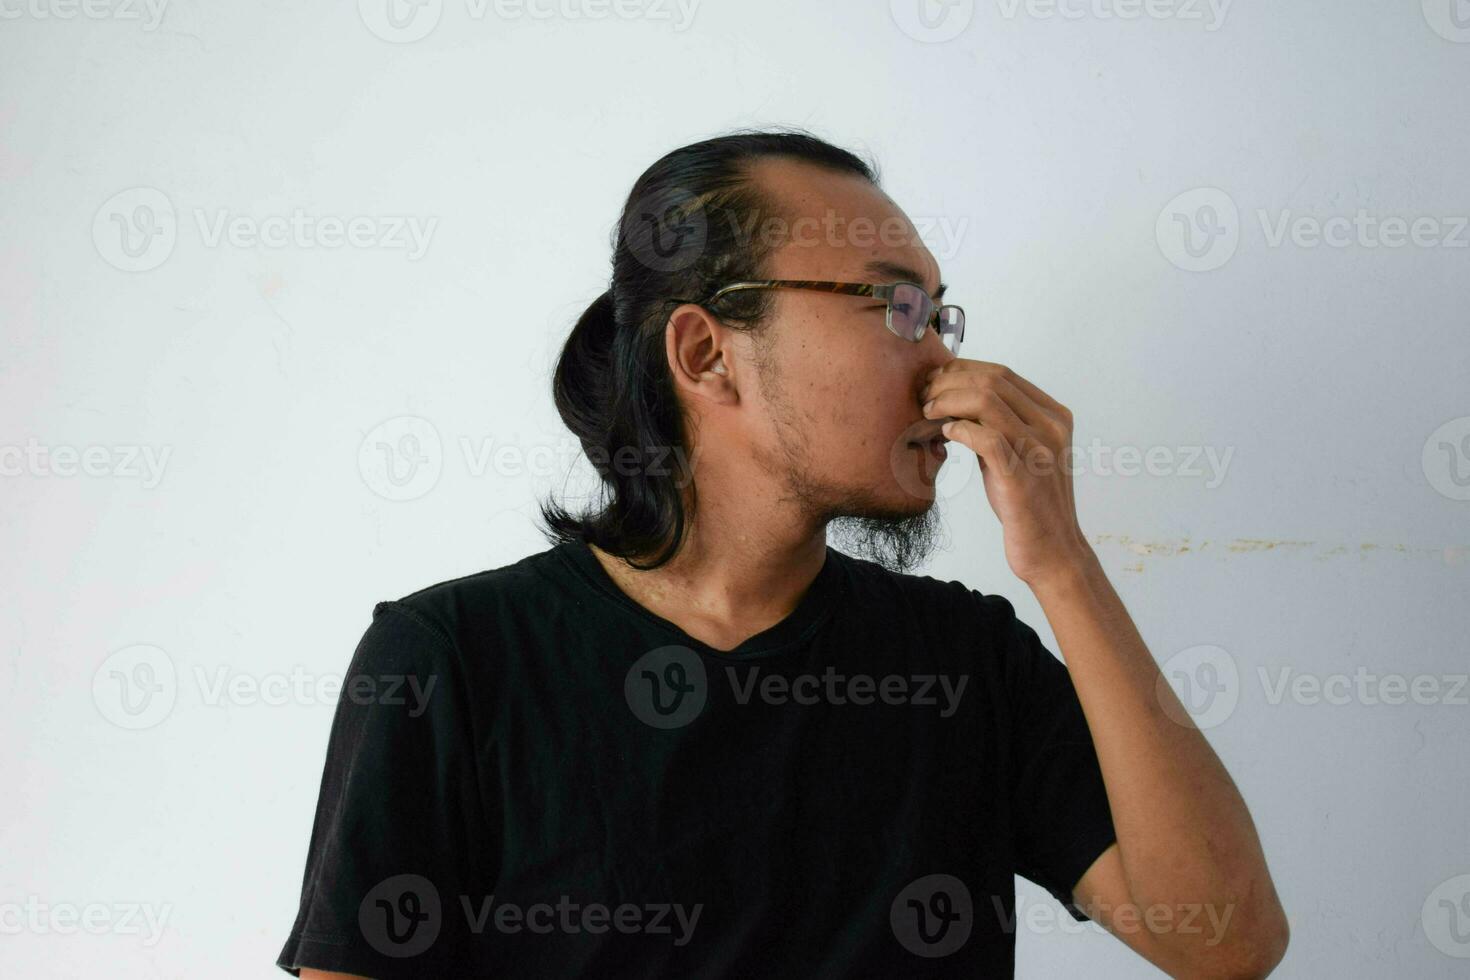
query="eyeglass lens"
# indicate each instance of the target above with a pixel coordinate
(911, 309)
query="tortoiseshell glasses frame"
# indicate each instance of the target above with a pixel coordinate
(911, 310)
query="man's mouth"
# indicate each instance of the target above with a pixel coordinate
(935, 445)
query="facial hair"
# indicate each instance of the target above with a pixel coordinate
(857, 522)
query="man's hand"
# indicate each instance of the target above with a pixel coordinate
(1023, 438)
(1185, 836)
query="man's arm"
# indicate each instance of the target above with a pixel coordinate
(1186, 843)
(1186, 885)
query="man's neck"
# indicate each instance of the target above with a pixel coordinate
(723, 594)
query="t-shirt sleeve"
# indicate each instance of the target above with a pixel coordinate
(395, 842)
(1059, 804)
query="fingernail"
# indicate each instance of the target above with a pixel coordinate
(947, 428)
(928, 405)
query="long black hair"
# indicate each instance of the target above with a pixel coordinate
(688, 227)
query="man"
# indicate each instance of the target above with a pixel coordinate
(694, 739)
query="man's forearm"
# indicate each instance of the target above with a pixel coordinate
(1185, 835)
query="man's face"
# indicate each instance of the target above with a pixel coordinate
(839, 393)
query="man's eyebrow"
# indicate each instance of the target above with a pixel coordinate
(895, 270)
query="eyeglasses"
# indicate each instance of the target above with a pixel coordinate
(911, 310)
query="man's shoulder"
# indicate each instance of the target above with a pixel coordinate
(871, 575)
(468, 604)
(986, 613)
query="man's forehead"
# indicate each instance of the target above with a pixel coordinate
(798, 259)
(834, 225)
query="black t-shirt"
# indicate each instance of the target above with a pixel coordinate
(530, 774)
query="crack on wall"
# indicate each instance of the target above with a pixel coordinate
(1448, 555)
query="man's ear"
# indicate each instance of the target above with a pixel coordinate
(700, 350)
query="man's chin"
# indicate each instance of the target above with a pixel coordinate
(900, 540)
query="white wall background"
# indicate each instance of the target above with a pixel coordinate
(1052, 143)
